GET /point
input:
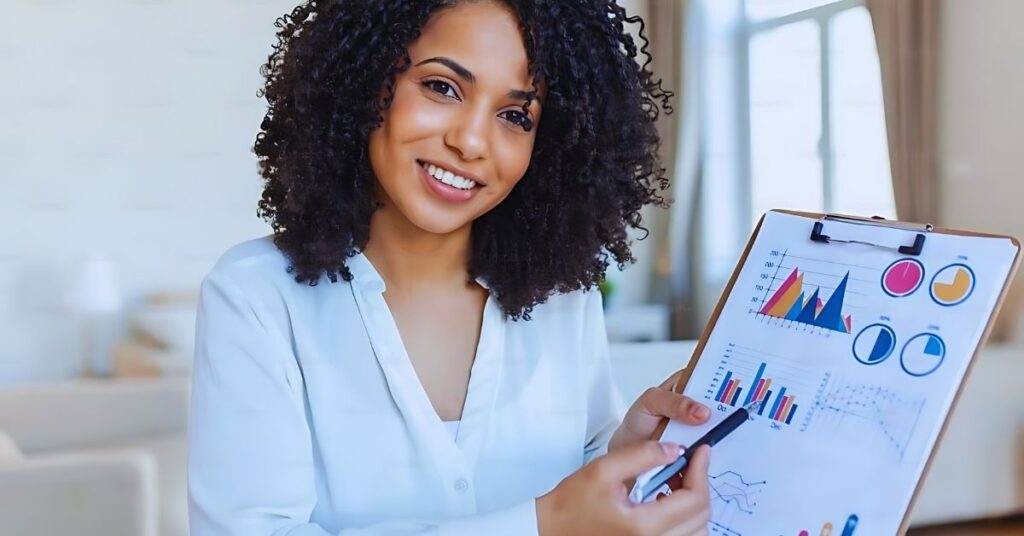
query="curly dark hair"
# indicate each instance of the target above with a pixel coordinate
(594, 163)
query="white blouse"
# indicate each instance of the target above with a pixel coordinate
(309, 419)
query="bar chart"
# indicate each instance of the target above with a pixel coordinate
(782, 407)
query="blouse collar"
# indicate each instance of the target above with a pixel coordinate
(366, 275)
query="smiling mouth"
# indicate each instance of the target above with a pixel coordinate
(447, 177)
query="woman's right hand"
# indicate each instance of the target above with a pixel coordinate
(594, 500)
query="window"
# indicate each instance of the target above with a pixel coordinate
(816, 122)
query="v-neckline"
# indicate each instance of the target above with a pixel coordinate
(407, 389)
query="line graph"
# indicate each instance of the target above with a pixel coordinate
(852, 408)
(731, 488)
(734, 497)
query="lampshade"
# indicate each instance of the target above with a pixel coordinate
(94, 288)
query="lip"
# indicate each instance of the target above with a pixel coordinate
(447, 193)
(456, 170)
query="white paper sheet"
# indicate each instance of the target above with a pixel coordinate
(859, 384)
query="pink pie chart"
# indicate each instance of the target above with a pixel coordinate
(902, 277)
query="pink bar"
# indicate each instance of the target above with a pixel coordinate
(782, 406)
(728, 392)
(757, 392)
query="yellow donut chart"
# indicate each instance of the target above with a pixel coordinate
(952, 284)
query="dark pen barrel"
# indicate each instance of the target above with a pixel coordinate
(710, 439)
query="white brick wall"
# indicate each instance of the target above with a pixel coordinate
(126, 130)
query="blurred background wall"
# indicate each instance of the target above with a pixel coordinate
(981, 115)
(126, 130)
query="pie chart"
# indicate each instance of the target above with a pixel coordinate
(902, 277)
(952, 284)
(874, 344)
(922, 354)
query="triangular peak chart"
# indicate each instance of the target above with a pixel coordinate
(804, 292)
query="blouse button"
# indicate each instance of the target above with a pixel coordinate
(461, 485)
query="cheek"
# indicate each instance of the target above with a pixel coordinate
(515, 160)
(412, 116)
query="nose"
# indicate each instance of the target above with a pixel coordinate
(468, 136)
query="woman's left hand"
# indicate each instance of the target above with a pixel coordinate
(653, 405)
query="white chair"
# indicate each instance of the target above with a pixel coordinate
(110, 493)
(94, 457)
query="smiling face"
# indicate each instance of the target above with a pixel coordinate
(456, 140)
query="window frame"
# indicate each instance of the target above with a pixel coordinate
(822, 16)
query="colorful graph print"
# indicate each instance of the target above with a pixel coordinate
(952, 284)
(876, 417)
(781, 409)
(874, 344)
(732, 491)
(730, 390)
(826, 530)
(902, 277)
(922, 354)
(790, 302)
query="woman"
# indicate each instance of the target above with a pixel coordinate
(467, 169)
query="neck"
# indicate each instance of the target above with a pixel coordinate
(409, 258)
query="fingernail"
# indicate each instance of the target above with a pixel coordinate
(671, 449)
(699, 411)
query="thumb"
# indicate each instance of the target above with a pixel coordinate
(627, 462)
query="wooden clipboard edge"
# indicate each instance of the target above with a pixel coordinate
(687, 373)
(905, 525)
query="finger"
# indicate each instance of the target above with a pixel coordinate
(683, 512)
(675, 406)
(628, 462)
(696, 477)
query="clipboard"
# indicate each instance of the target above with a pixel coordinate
(822, 228)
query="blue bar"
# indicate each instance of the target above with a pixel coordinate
(851, 524)
(778, 400)
(753, 386)
(764, 402)
(735, 396)
(725, 383)
(792, 411)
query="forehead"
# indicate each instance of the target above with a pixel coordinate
(482, 36)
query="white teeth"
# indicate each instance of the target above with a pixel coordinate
(449, 178)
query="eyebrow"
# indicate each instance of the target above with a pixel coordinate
(466, 75)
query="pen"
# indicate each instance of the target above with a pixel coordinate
(711, 438)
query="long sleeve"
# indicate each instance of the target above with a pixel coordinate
(605, 406)
(251, 462)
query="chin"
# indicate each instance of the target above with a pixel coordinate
(439, 223)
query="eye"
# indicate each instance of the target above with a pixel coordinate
(518, 118)
(441, 87)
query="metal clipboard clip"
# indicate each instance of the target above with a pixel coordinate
(818, 235)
